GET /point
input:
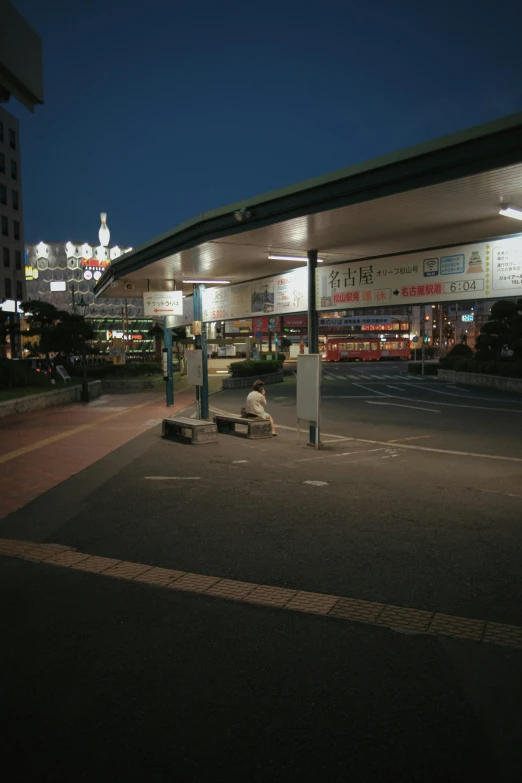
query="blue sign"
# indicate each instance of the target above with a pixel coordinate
(259, 334)
(452, 265)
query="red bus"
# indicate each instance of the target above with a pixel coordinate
(365, 349)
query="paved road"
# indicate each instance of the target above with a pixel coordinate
(381, 401)
(145, 683)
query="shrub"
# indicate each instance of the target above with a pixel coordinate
(506, 369)
(130, 370)
(251, 367)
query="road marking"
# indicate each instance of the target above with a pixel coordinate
(497, 492)
(341, 608)
(470, 396)
(316, 483)
(455, 405)
(395, 387)
(172, 478)
(398, 405)
(373, 391)
(414, 437)
(239, 461)
(60, 436)
(343, 454)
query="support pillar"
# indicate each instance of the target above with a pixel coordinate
(201, 344)
(313, 326)
(169, 386)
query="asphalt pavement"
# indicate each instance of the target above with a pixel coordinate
(416, 506)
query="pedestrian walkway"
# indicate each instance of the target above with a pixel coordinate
(40, 449)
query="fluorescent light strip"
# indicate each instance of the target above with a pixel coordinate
(511, 212)
(208, 282)
(273, 257)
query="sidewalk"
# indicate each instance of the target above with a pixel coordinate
(41, 449)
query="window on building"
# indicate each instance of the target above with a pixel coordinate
(2, 163)
(12, 139)
(5, 226)
(16, 229)
(15, 200)
(8, 289)
(19, 291)
(6, 256)
(18, 259)
(3, 195)
(14, 170)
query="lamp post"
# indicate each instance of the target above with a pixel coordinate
(84, 396)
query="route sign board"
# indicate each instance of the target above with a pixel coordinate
(162, 303)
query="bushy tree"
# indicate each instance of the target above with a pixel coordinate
(503, 327)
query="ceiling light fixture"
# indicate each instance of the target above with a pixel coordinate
(276, 257)
(511, 212)
(208, 282)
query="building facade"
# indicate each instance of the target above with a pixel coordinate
(65, 273)
(12, 282)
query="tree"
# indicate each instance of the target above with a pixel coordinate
(57, 331)
(503, 327)
(41, 318)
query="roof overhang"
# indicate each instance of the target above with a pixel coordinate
(437, 194)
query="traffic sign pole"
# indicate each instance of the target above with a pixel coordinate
(169, 387)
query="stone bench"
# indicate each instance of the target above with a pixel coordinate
(256, 428)
(198, 431)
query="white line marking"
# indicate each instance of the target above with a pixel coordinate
(397, 405)
(454, 405)
(471, 396)
(239, 461)
(497, 492)
(397, 388)
(343, 454)
(172, 478)
(316, 483)
(373, 391)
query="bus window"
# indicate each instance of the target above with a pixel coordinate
(375, 346)
(342, 346)
(392, 346)
(350, 347)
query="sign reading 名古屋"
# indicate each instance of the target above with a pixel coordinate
(478, 271)
(162, 303)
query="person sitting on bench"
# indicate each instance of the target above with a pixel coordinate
(255, 405)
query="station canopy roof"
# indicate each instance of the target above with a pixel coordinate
(437, 194)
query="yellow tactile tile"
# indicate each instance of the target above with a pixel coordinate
(161, 577)
(315, 603)
(270, 596)
(355, 609)
(498, 633)
(404, 617)
(126, 570)
(459, 627)
(194, 583)
(68, 558)
(351, 609)
(229, 588)
(96, 565)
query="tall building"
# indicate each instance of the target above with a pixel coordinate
(11, 214)
(65, 273)
(21, 78)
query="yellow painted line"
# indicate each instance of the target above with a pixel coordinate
(403, 619)
(415, 437)
(61, 435)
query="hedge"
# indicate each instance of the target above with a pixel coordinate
(505, 369)
(251, 367)
(129, 370)
(16, 374)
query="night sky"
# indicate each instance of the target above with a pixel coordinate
(157, 111)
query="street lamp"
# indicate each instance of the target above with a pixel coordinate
(83, 306)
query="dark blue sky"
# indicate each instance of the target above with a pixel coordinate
(156, 111)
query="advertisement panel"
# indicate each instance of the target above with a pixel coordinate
(477, 271)
(275, 295)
